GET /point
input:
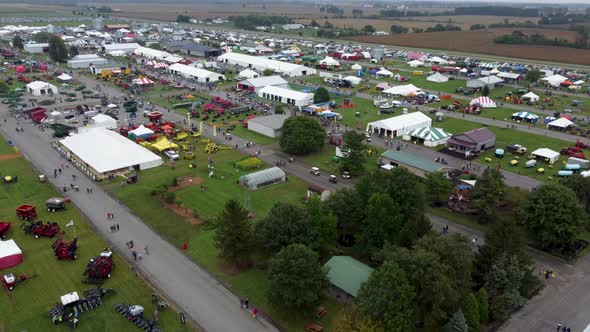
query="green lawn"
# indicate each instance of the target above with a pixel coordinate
(252, 283)
(27, 307)
(323, 159)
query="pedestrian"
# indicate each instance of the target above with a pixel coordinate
(254, 313)
(133, 269)
(55, 173)
(147, 252)
(91, 190)
(117, 226)
(241, 303)
(246, 303)
(87, 190)
(474, 241)
(184, 246)
(112, 215)
(139, 256)
(134, 253)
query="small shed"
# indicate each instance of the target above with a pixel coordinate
(263, 178)
(270, 125)
(347, 274)
(314, 190)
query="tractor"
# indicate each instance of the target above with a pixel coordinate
(4, 228)
(39, 229)
(55, 203)
(10, 281)
(71, 305)
(134, 313)
(65, 250)
(99, 268)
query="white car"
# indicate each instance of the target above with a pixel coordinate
(173, 155)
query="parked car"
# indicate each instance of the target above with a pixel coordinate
(173, 155)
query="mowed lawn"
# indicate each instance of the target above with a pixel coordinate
(27, 307)
(324, 159)
(252, 283)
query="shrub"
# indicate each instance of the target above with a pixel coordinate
(174, 182)
(249, 163)
(169, 197)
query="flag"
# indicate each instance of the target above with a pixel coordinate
(71, 223)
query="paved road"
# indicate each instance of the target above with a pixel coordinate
(193, 289)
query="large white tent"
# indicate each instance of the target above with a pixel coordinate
(353, 80)
(10, 254)
(546, 154)
(151, 53)
(329, 61)
(356, 66)
(286, 96)
(399, 125)
(248, 74)
(437, 78)
(431, 136)
(260, 64)
(201, 75)
(403, 90)
(39, 88)
(531, 96)
(485, 102)
(415, 63)
(384, 73)
(561, 123)
(104, 121)
(554, 80)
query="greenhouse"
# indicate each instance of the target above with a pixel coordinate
(263, 178)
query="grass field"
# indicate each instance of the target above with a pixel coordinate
(25, 10)
(26, 309)
(323, 159)
(252, 283)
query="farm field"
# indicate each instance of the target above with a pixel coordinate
(252, 283)
(482, 41)
(25, 10)
(26, 308)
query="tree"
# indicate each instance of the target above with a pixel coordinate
(285, 224)
(349, 210)
(314, 23)
(457, 322)
(439, 187)
(503, 282)
(581, 187)
(297, 281)
(183, 18)
(328, 25)
(533, 75)
(553, 215)
(347, 320)
(233, 235)
(471, 312)
(483, 304)
(412, 230)
(321, 95)
(302, 135)
(57, 49)
(73, 51)
(487, 194)
(42, 37)
(369, 28)
(357, 12)
(382, 223)
(387, 297)
(17, 42)
(279, 109)
(267, 72)
(485, 91)
(398, 29)
(355, 157)
(323, 222)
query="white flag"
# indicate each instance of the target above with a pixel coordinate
(71, 223)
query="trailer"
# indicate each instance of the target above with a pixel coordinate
(26, 212)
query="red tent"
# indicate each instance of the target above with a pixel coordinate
(10, 254)
(566, 83)
(167, 127)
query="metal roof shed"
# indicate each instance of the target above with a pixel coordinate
(263, 178)
(347, 273)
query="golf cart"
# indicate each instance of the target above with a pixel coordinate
(132, 178)
(333, 179)
(346, 175)
(173, 155)
(55, 203)
(315, 171)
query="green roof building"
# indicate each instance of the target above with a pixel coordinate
(347, 274)
(416, 165)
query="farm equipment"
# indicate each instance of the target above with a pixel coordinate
(9, 179)
(10, 281)
(26, 212)
(134, 313)
(71, 305)
(581, 144)
(65, 250)
(55, 203)
(4, 228)
(39, 229)
(99, 268)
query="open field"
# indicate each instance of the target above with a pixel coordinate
(25, 10)
(27, 307)
(482, 41)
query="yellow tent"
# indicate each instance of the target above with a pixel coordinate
(181, 136)
(163, 144)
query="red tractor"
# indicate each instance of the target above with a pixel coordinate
(65, 250)
(39, 229)
(26, 212)
(99, 268)
(4, 228)
(10, 281)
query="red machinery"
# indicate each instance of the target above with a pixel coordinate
(65, 250)
(4, 227)
(99, 268)
(10, 281)
(155, 116)
(26, 212)
(39, 229)
(581, 144)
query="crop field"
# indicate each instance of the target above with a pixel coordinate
(482, 41)
(20, 10)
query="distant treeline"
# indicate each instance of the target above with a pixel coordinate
(471, 10)
(250, 22)
(564, 19)
(519, 38)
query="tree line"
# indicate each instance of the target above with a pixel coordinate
(466, 10)
(519, 38)
(250, 22)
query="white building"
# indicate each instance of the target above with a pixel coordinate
(36, 47)
(270, 126)
(260, 64)
(295, 26)
(254, 85)
(248, 74)
(151, 53)
(399, 125)
(39, 88)
(85, 61)
(201, 75)
(286, 96)
(128, 48)
(101, 153)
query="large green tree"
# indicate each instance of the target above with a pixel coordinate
(553, 215)
(503, 282)
(233, 235)
(387, 297)
(323, 222)
(471, 312)
(382, 224)
(302, 135)
(488, 194)
(349, 210)
(297, 281)
(58, 51)
(413, 229)
(285, 224)
(42, 37)
(321, 95)
(73, 51)
(354, 160)
(439, 188)
(17, 42)
(581, 187)
(533, 75)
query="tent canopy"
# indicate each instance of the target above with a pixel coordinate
(550, 155)
(163, 144)
(531, 96)
(64, 77)
(429, 133)
(10, 254)
(562, 122)
(525, 115)
(404, 90)
(483, 102)
(142, 131)
(347, 273)
(437, 78)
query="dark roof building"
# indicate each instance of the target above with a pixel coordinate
(472, 141)
(191, 48)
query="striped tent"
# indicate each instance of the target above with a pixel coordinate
(430, 136)
(160, 65)
(437, 78)
(525, 116)
(382, 86)
(483, 102)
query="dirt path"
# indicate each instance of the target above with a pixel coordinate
(186, 181)
(182, 211)
(10, 156)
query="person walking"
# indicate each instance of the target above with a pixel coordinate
(147, 252)
(559, 327)
(133, 269)
(117, 226)
(254, 313)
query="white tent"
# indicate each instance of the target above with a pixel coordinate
(431, 136)
(437, 78)
(547, 154)
(286, 96)
(560, 123)
(329, 61)
(353, 80)
(10, 254)
(483, 102)
(554, 80)
(202, 75)
(399, 125)
(248, 74)
(384, 73)
(531, 96)
(403, 90)
(141, 132)
(64, 77)
(104, 121)
(356, 66)
(437, 59)
(39, 88)
(415, 63)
